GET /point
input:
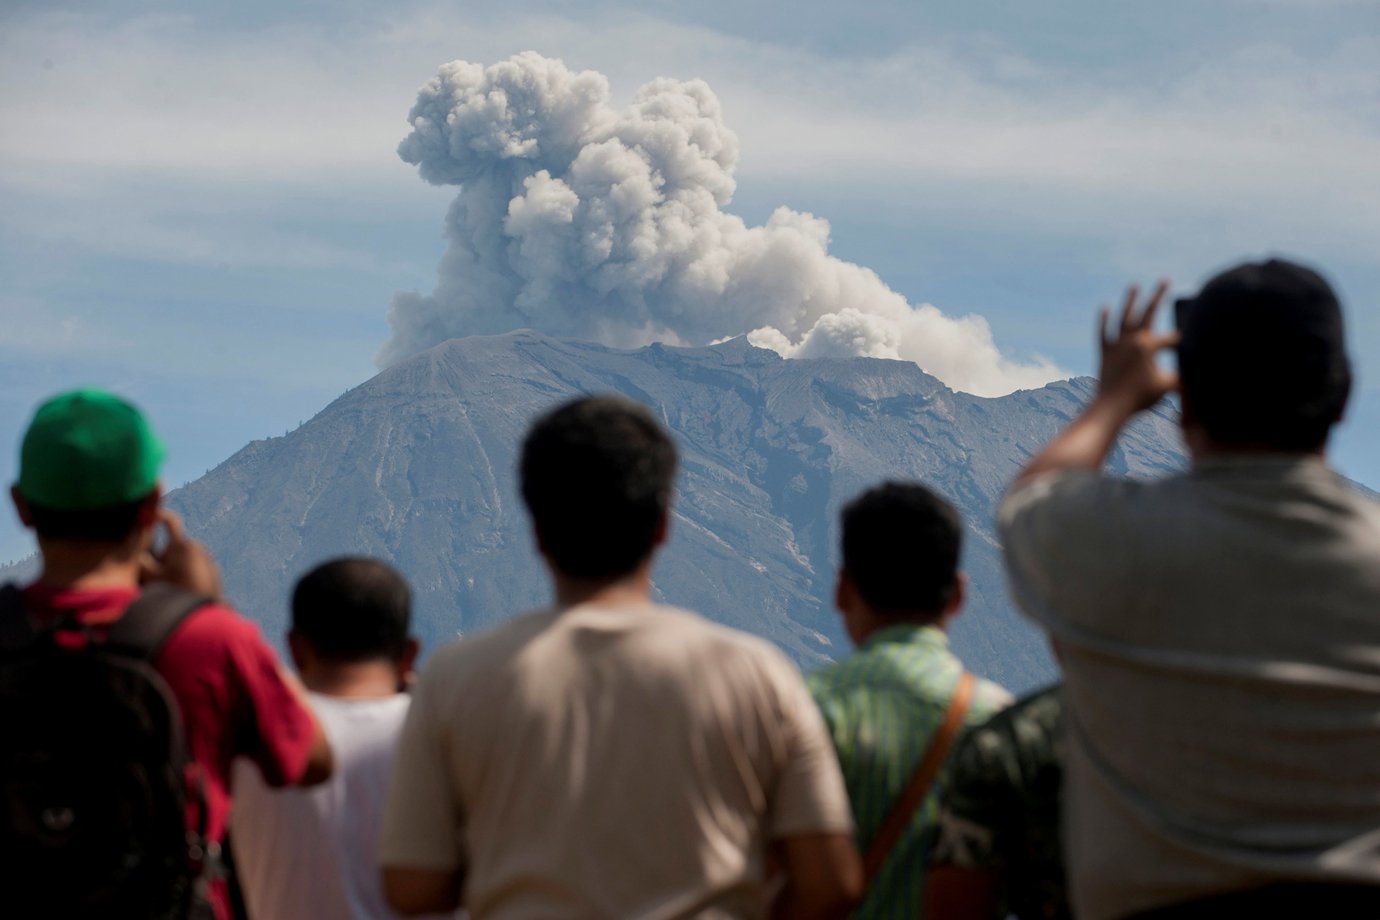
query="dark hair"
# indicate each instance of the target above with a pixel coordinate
(596, 476)
(1262, 359)
(900, 546)
(111, 524)
(353, 609)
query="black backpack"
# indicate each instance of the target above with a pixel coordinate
(95, 777)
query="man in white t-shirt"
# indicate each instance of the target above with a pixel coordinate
(314, 853)
(609, 756)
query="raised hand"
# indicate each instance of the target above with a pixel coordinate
(182, 561)
(1130, 381)
(1131, 377)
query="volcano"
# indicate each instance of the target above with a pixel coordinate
(417, 466)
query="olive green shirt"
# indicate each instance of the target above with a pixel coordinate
(1001, 807)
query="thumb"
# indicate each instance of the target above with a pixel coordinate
(150, 569)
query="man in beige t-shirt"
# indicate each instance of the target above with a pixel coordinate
(610, 757)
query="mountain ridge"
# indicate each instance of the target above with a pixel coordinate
(416, 466)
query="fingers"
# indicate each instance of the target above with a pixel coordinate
(1168, 340)
(150, 569)
(1128, 310)
(177, 531)
(1131, 321)
(1103, 316)
(1156, 298)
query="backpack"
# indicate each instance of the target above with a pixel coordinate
(96, 784)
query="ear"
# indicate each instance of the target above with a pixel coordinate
(663, 528)
(148, 508)
(407, 663)
(299, 649)
(955, 605)
(845, 591)
(1188, 416)
(21, 506)
(1346, 398)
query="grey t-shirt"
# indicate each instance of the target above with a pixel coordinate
(630, 761)
(1219, 633)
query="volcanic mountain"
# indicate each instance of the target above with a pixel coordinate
(417, 466)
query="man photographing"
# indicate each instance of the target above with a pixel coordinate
(127, 686)
(1219, 630)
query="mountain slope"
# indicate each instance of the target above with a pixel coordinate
(417, 466)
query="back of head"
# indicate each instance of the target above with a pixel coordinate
(597, 475)
(901, 544)
(1262, 360)
(88, 461)
(353, 609)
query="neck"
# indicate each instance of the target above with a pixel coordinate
(356, 680)
(79, 564)
(1202, 446)
(875, 623)
(1207, 449)
(863, 624)
(632, 588)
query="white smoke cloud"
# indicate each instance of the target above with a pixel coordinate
(581, 220)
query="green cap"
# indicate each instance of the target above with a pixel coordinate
(88, 449)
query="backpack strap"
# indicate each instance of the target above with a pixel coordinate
(921, 780)
(16, 630)
(149, 621)
(140, 631)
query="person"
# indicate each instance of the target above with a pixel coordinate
(313, 852)
(1218, 629)
(898, 588)
(88, 486)
(610, 756)
(1000, 852)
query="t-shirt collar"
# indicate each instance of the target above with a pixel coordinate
(908, 633)
(92, 606)
(1266, 465)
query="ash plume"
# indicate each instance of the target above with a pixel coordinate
(579, 219)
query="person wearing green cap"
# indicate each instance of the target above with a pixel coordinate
(89, 488)
(87, 450)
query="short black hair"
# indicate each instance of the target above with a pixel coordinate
(597, 474)
(112, 524)
(901, 544)
(353, 609)
(1262, 357)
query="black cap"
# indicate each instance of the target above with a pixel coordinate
(1273, 305)
(1263, 345)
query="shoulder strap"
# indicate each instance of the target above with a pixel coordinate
(16, 631)
(148, 622)
(921, 780)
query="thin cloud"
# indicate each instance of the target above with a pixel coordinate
(1249, 142)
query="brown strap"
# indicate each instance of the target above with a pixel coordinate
(921, 779)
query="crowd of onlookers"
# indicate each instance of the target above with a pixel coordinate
(1213, 749)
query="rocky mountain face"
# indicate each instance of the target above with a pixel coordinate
(417, 466)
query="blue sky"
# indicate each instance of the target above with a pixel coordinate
(201, 204)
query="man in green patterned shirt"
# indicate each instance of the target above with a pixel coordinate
(898, 588)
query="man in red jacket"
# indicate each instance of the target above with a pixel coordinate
(88, 486)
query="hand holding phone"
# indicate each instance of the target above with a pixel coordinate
(180, 560)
